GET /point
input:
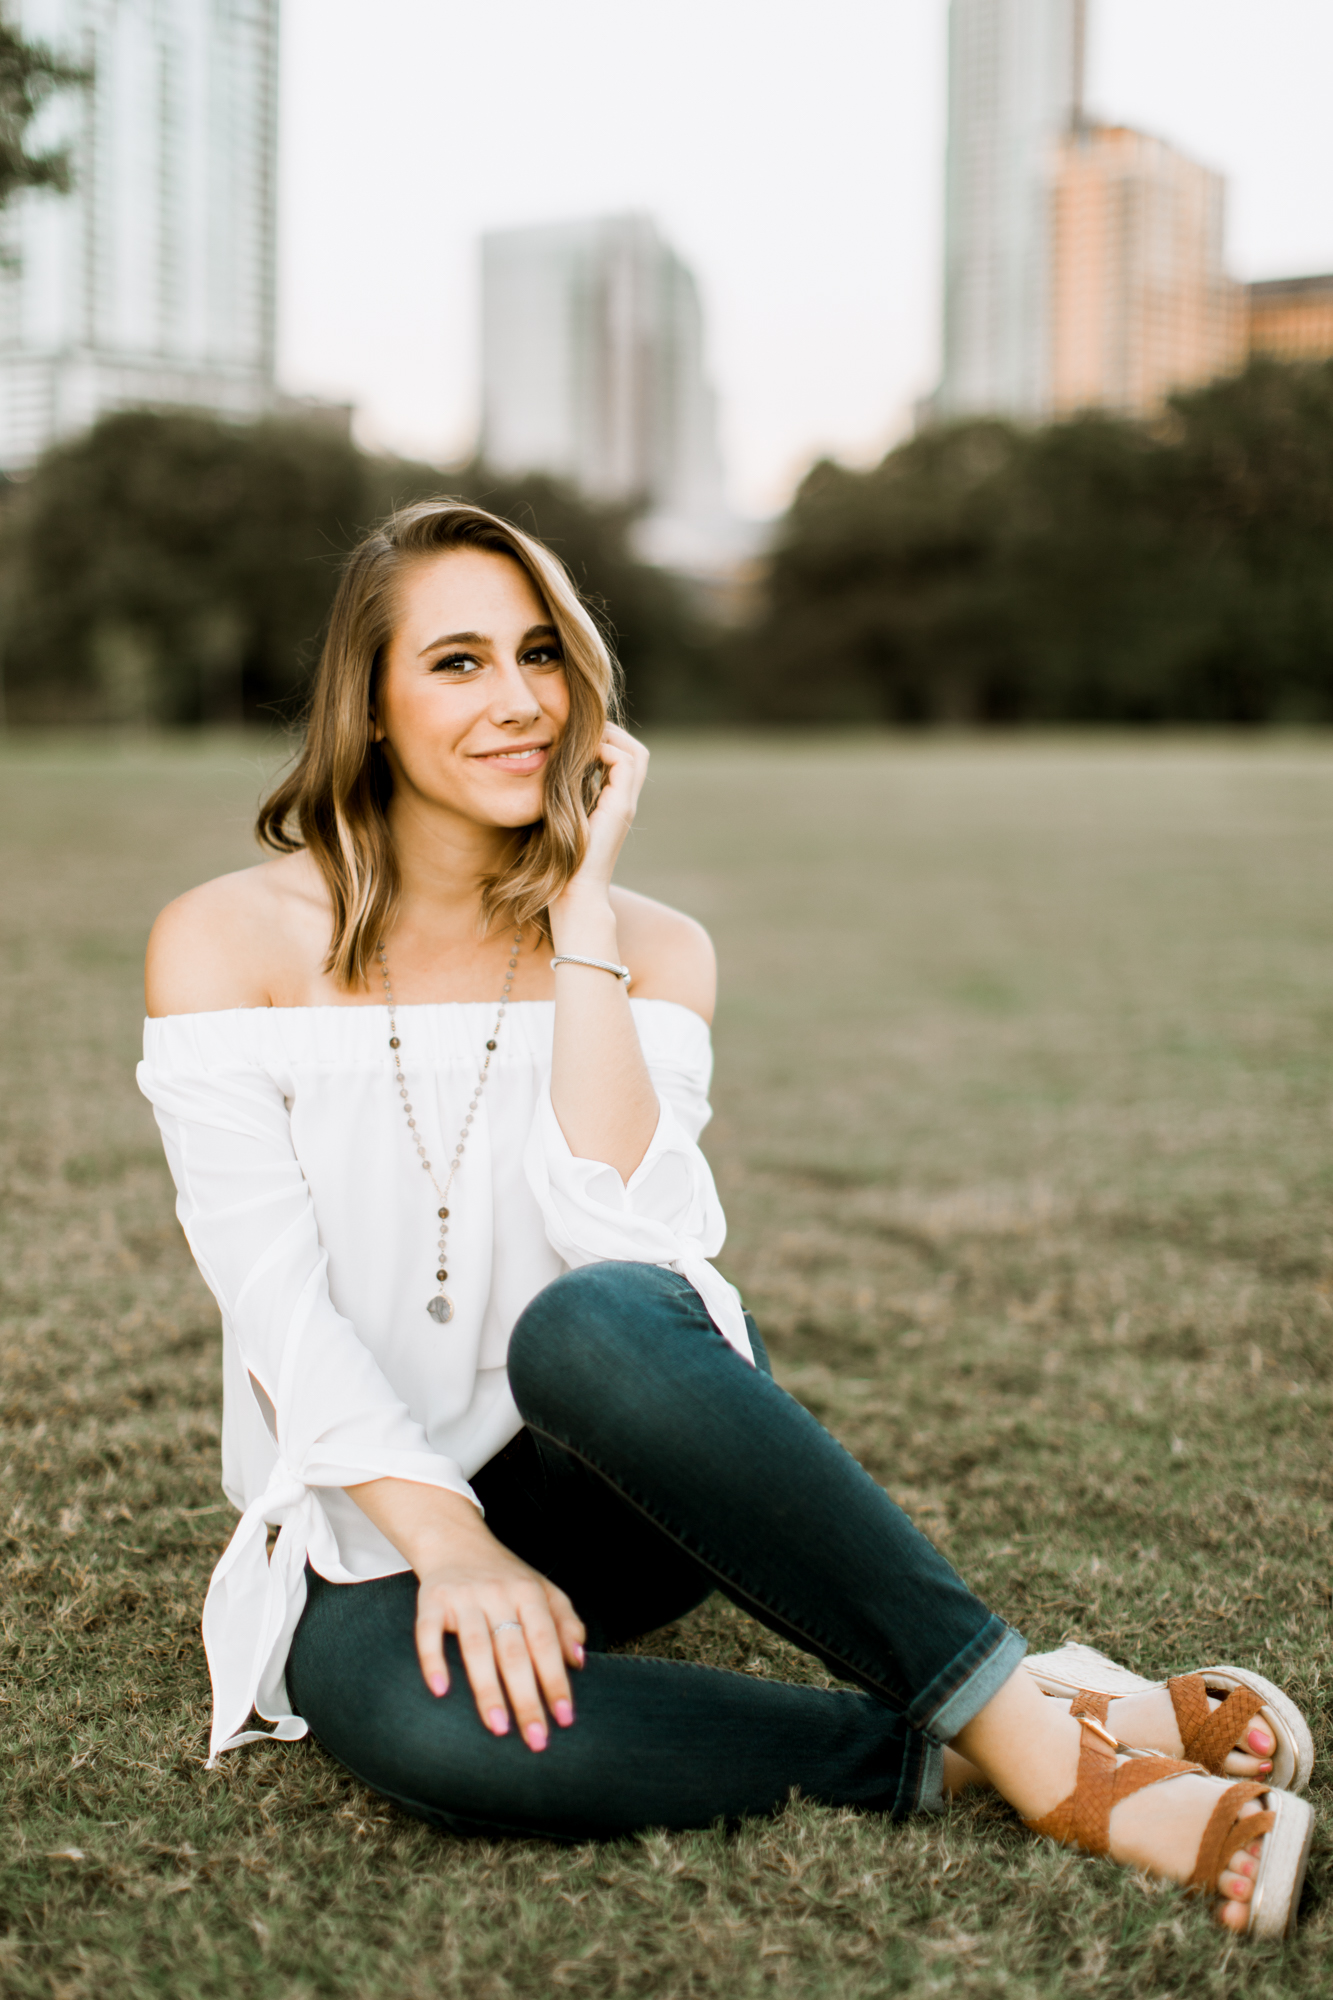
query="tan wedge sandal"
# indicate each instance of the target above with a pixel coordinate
(1207, 1734)
(1285, 1827)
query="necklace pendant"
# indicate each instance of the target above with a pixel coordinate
(441, 1309)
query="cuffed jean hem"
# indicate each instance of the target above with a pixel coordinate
(930, 1779)
(969, 1682)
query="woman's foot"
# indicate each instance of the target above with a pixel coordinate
(1028, 1746)
(1148, 1721)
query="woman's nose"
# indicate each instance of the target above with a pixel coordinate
(513, 698)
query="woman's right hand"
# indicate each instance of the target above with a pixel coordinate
(517, 1632)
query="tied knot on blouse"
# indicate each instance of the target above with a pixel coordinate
(314, 1227)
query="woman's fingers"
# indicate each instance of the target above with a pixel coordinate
(515, 1638)
(626, 764)
(516, 1666)
(430, 1644)
(478, 1649)
(547, 1656)
(507, 1651)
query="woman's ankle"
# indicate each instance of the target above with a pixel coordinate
(1023, 1744)
(959, 1776)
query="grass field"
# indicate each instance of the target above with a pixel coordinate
(1025, 1129)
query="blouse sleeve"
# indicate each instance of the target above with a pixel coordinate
(668, 1212)
(248, 1216)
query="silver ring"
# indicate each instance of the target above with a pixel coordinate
(506, 1625)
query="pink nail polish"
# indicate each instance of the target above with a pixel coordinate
(497, 1721)
(563, 1711)
(438, 1684)
(579, 1656)
(535, 1736)
(1260, 1742)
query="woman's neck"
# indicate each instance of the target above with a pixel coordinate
(443, 861)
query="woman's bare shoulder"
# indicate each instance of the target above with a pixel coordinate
(234, 941)
(670, 955)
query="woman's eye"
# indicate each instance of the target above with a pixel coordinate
(543, 656)
(457, 664)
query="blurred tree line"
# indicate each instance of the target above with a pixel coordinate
(1095, 570)
(173, 568)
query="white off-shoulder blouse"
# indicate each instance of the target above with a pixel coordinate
(301, 1195)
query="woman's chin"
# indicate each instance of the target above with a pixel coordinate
(510, 804)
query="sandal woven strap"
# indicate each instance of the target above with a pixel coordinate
(1211, 1734)
(1084, 1818)
(1226, 1832)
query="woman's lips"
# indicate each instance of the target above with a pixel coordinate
(521, 760)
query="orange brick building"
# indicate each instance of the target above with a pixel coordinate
(1291, 318)
(1141, 303)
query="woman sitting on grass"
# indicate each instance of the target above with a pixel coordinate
(440, 1171)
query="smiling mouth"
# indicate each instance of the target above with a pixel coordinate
(519, 755)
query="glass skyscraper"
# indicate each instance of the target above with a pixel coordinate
(593, 370)
(1015, 88)
(153, 282)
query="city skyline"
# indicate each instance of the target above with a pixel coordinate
(1084, 260)
(775, 156)
(799, 171)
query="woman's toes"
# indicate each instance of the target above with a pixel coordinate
(1260, 1741)
(1235, 1884)
(1236, 1765)
(1234, 1888)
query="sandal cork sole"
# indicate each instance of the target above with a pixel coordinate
(1075, 1669)
(1282, 1864)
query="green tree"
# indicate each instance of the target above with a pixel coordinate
(29, 74)
(172, 567)
(1089, 571)
(1256, 459)
(176, 568)
(883, 588)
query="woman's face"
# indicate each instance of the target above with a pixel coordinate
(472, 697)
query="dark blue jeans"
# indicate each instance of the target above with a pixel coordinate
(655, 1467)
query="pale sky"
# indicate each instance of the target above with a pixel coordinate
(792, 152)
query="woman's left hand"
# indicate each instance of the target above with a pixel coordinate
(626, 762)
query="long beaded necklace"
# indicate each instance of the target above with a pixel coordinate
(441, 1307)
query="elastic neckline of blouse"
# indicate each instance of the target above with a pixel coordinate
(413, 1007)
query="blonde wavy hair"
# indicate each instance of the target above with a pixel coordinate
(338, 789)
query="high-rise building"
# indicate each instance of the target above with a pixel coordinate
(153, 282)
(1141, 303)
(1015, 84)
(1291, 318)
(593, 370)
(1083, 261)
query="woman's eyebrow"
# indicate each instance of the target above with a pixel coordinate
(455, 639)
(482, 639)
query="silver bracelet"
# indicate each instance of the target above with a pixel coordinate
(597, 964)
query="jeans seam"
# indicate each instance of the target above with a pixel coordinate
(808, 1641)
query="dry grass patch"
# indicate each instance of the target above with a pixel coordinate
(1024, 1110)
